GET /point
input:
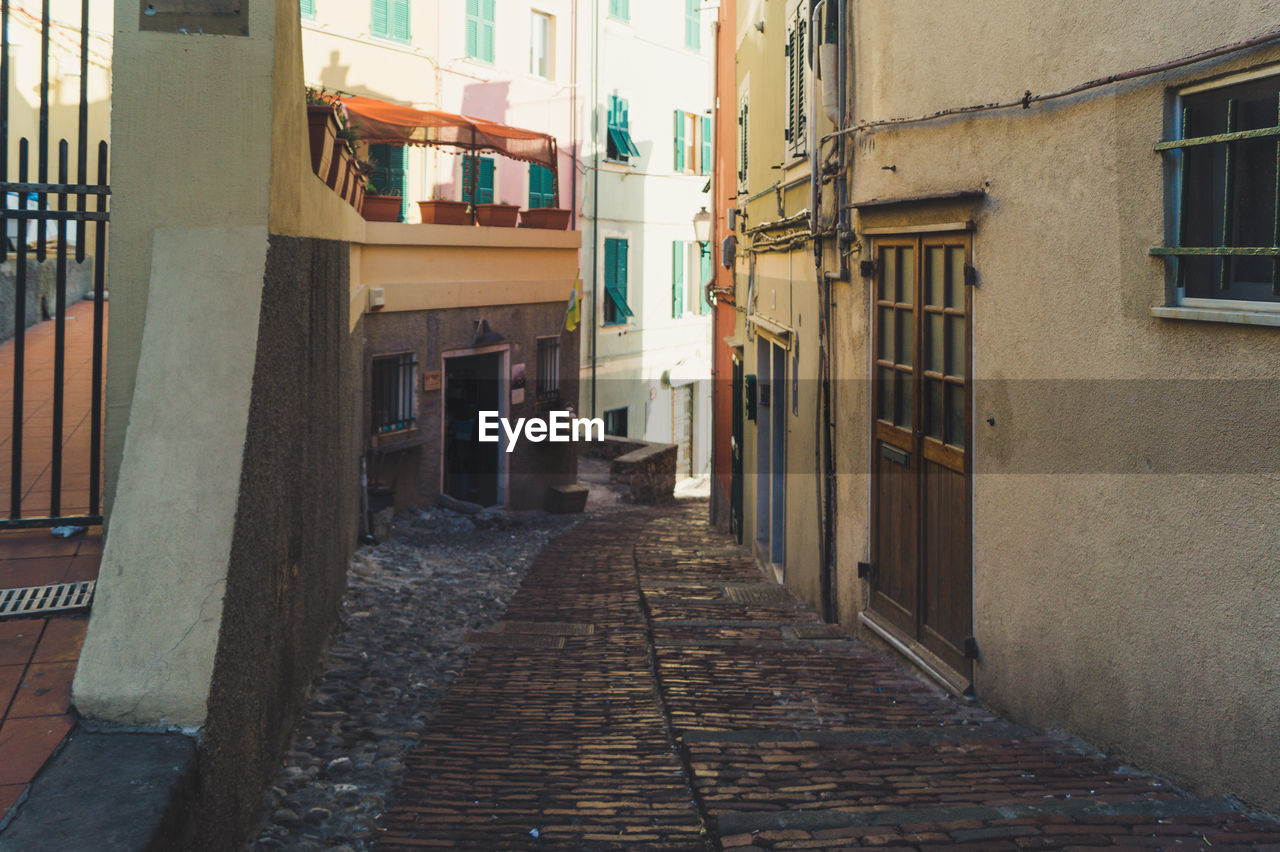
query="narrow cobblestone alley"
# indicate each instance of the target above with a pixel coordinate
(647, 687)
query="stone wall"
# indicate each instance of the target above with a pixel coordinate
(41, 289)
(647, 470)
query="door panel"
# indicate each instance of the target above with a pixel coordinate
(921, 489)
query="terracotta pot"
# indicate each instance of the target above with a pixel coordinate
(554, 218)
(337, 165)
(322, 128)
(444, 212)
(497, 215)
(381, 208)
(358, 200)
(354, 180)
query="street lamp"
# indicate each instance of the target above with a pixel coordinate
(702, 227)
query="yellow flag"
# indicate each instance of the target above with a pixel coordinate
(571, 309)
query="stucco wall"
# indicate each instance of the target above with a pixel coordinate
(1124, 500)
(295, 525)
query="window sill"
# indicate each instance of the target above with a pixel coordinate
(1223, 315)
(609, 161)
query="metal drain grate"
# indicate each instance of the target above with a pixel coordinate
(547, 628)
(817, 631)
(34, 600)
(757, 593)
(721, 553)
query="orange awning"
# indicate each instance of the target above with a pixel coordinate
(379, 122)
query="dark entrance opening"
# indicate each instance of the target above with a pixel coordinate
(471, 468)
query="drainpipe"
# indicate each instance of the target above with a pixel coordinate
(595, 191)
(573, 117)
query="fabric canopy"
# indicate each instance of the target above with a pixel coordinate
(379, 122)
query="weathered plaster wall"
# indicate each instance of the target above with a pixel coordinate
(1125, 499)
(295, 525)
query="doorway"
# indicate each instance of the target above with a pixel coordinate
(922, 578)
(473, 471)
(771, 454)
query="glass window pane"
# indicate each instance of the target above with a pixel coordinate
(935, 273)
(955, 346)
(888, 272)
(886, 335)
(934, 410)
(905, 401)
(955, 286)
(936, 343)
(907, 276)
(906, 337)
(955, 415)
(885, 409)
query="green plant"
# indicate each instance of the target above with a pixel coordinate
(319, 97)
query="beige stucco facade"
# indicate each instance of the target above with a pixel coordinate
(1124, 487)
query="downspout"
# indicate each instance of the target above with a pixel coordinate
(573, 117)
(595, 192)
(822, 451)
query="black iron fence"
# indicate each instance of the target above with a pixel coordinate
(41, 212)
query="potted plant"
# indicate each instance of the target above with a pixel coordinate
(439, 211)
(554, 218)
(379, 207)
(322, 128)
(497, 215)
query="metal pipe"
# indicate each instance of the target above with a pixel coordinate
(595, 192)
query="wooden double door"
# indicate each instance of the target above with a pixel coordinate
(922, 574)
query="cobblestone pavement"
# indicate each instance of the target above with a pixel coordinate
(648, 688)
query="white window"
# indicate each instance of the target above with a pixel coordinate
(540, 45)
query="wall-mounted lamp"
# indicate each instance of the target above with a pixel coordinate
(702, 226)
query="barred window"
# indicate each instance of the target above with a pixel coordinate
(394, 377)
(1222, 165)
(548, 368)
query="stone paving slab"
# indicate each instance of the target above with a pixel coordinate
(684, 720)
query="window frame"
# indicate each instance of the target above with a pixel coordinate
(614, 308)
(407, 421)
(796, 124)
(611, 418)
(547, 32)
(542, 187)
(547, 380)
(619, 147)
(1177, 303)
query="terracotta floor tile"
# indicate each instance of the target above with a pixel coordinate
(22, 544)
(18, 639)
(44, 691)
(25, 745)
(10, 677)
(9, 795)
(61, 641)
(83, 568)
(17, 573)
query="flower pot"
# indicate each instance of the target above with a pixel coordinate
(381, 208)
(354, 180)
(444, 212)
(358, 201)
(497, 215)
(554, 218)
(322, 130)
(337, 175)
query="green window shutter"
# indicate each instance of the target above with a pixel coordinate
(692, 25)
(623, 114)
(679, 138)
(621, 286)
(705, 253)
(610, 262)
(398, 20)
(613, 111)
(706, 146)
(618, 9)
(615, 281)
(486, 30)
(378, 24)
(473, 29)
(540, 186)
(485, 188)
(677, 278)
(308, 8)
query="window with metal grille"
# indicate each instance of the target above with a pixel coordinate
(480, 170)
(692, 24)
(1223, 166)
(479, 35)
(616, 310)
(797, 52)
(619, 146)
(615, 422)
(548, 368)
(390, 20)
(394, 377)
